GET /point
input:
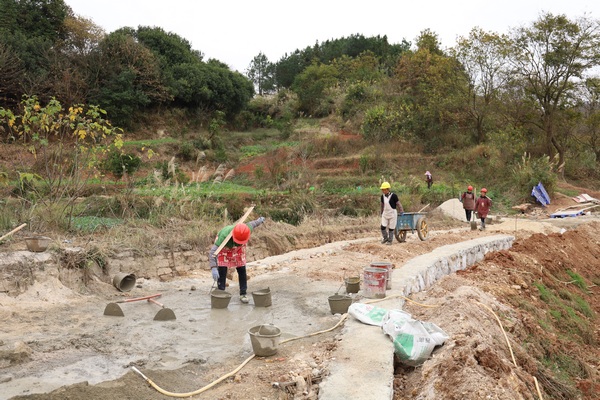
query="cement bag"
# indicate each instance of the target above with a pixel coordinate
(413, 340)
(367, 313)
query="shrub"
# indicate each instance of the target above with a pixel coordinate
(187, 151)
(118, 163)
(529, 172)
(382, 124)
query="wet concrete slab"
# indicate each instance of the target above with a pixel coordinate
(93, 347)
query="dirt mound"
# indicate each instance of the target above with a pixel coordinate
(544, 292)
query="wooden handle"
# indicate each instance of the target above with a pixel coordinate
(423, 208)
(140, 298)
(156, 302)
(231, 233)
(18, 228)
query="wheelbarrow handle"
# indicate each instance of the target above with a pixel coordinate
(139, 298)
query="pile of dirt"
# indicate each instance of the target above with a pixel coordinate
(544, 292)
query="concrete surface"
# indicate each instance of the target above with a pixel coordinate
(363, 365)
(363, 368)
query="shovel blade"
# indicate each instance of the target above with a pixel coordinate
(473, 225)
(114, 310)
(164, 314)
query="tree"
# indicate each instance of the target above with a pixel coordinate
(288, 67)
(363, 68)
(550, 59)
(261, 73)
(311, 87)
(429, 84)
(11, 74)
(128, 77)
(484, 57)
(590, 106)
(32, 28)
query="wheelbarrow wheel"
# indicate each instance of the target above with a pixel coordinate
(422, 228)
(400, 235)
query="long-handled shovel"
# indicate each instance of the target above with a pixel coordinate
(473, 222)
(164, 314)
(114, 309)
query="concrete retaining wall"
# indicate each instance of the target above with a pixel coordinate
(423, 271)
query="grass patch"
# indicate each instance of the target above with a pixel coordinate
(90, 224)
(545, 293)
(150, 142)
(565, 367)
(198, 190)
(567, 192)
(583, 306)
(564, 308)
(577, 280)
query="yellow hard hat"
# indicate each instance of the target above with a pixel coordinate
(385, 185)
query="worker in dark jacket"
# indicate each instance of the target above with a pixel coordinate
(390, 208)
(233, 255)
(468, 201)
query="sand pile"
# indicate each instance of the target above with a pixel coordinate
(454, 209)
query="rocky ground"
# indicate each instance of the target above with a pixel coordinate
(475, 363)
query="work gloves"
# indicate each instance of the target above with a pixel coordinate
(215, 273)
(261, 219)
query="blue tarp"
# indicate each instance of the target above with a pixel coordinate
(540, 194)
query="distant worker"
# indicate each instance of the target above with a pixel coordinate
(390, 208)
(468, 201)
(482, 207)
(428, 179)
(233, 255)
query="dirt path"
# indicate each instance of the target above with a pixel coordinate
(56, 338)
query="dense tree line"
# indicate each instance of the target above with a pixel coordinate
(47, 51)
(533, 90)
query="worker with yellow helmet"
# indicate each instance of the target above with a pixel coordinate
(390, 208)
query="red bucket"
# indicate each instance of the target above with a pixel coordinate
(374, 281)
(388, 267)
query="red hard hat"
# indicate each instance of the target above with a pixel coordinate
(241, 233)
(484, 190)
(470, 188)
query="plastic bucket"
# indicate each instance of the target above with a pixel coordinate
(124, 281)
(388, 266)
(374, 281)
(352, 284)
(339, 303)
(262, 297)
(264, 339)
(219, 298)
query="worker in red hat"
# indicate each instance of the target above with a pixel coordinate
(468, 201)
(233, 255)
(482, 207)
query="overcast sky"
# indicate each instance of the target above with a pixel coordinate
(235, 31)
